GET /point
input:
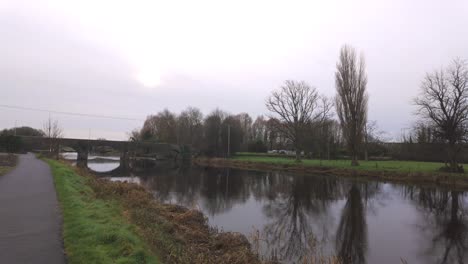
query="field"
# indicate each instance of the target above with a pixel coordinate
(387, 165)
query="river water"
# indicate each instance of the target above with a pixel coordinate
(288, 216)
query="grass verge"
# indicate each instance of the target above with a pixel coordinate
(115, 222)
(94, 229)
(387, 165)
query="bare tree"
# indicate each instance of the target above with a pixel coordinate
(160, 127)
(212, 130)
(351, 99)
(190, 127)
(259, 129)
(53, 131)
(443, 102)
(134, 135)
(296, 104)
(246, 124)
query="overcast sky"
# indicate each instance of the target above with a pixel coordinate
(134, 58)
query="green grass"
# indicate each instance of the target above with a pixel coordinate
(391, 165)
(95, 230)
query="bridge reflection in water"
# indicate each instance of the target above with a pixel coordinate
(295, 215)
(112, 165)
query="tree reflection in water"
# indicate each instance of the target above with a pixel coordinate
(215, 190)
(351, 235)
(444, 221)
(297, 209)
(291, 215)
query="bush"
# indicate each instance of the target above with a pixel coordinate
(10, 143)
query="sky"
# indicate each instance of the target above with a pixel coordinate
(129, 59)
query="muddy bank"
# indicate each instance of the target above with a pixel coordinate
(176, 234)
(439, 179)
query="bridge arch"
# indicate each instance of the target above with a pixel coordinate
(128, 150)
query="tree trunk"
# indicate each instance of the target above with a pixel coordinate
(298, 155)
(453, 157)
(354, 159)
(366, 158)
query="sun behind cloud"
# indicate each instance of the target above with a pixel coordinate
(149, 78)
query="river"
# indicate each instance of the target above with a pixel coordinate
(288, 216)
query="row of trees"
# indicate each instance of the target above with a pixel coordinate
(442, 108)
(300, 120)
(296, 105)
(209, 133)
(11, 143)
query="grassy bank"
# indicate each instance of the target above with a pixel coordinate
(114, 222)
(95, 230)
(394, 171)
(7, 163)
(387, 165)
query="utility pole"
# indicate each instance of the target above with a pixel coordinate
(15, 128)
(229, 142)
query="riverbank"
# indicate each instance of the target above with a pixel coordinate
(115, 222)
(391, 171)
(7, 163)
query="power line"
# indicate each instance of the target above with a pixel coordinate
(69, 113)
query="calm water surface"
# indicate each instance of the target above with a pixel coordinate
(365, 222)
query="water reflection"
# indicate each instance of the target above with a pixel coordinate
(445, 225)
(351, 235)
(360, 222)
(126, 179)
(293, 214)
(95, 162)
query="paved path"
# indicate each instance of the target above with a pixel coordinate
(30, 218)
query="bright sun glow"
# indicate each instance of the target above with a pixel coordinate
(149, 79)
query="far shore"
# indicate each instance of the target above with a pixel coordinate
(423, 173)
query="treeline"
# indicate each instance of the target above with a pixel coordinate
(10, 143)
(208, 134)
(302, 120)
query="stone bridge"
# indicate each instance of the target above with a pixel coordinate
(126, 149)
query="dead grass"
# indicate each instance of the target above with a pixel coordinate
(175, 233)
(7, 163)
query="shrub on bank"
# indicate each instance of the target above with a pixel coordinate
(10, 143)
